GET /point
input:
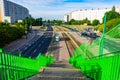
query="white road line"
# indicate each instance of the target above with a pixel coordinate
(35, 50)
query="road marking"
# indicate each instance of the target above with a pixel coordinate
(35, 50)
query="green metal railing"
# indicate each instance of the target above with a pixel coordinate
(101, 59)
(16, 67)
(105, 68)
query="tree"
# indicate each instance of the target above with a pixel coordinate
(112, 14)
(39, 22)
(110, 24)
(95, 22)
(71, 21)
(86, 21)
(113, 8)
(9, 33)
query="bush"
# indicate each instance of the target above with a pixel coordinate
(110, 24)
(9, 33)
(86, 21)
(95, 22)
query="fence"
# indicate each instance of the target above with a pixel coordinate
(100, 61)
(16, 67)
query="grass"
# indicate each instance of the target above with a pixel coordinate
(37, 27)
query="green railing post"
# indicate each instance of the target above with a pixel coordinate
(1, 50)
(101, 46)
(17, 67)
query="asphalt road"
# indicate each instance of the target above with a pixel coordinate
(39, 45)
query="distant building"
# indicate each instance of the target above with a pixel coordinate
(90, 14)
(66, 18)
(12, 12)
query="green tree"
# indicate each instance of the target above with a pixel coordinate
(39, 22)
(95, 22)
(113, 8)
(9, 33)
(86, 21)
(110, 24)
(71, 21)
(112, 14)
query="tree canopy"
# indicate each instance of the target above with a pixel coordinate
(112, 14)
(110, 24)
(95, 22)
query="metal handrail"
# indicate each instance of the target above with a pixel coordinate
(20, 67)
(107, 54)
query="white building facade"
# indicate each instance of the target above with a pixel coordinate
(90, 14)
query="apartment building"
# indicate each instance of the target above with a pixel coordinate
(12, 12)
(90, 14)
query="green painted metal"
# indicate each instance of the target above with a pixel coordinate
(100, 63)
(102, 39)
(16, 67)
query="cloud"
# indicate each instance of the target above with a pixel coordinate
(55, 9)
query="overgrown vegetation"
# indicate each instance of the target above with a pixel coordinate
(33, 21)
(113, 19)
(10, 33)
(78, 22)
(110, 24)
(112, 14)
(95, 22)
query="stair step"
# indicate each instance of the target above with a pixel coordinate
(63, 65)
(61, 78)
(60, 68)
(60, 71)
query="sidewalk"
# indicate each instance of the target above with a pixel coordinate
(16, 45)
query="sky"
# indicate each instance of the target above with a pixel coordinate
(56, 9)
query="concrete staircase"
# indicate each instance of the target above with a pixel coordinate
(60, 71)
